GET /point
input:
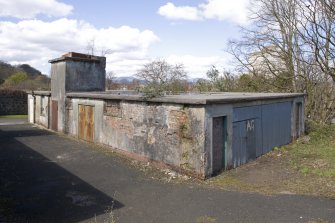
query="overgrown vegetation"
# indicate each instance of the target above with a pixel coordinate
(315, 153)
(22, 77)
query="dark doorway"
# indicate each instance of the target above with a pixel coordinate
(54, 115)
(298, 119)
(219, 140)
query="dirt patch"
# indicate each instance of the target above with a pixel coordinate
(274, 174)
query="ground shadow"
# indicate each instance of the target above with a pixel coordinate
(36, 189)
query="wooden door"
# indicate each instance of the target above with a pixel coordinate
(54, 115)
(86, 122)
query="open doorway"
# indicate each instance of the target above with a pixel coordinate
(298, 119)
(219, 143)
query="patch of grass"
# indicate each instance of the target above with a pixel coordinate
(314, 154)
(14, 116)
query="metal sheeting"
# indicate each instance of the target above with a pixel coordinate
(276, 125)
(257, 129)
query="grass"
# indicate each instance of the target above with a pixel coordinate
(14, 116)
(315, 154)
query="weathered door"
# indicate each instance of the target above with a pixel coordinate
(251, 139)
(86, 122)
(54, 115)
(244, 141)
(219, 140)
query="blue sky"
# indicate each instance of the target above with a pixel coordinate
(136, 32)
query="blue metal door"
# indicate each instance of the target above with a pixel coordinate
(251, 139)
(244, 141)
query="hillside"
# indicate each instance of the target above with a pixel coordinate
(22, 77)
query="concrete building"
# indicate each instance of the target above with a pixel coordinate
(199, 134)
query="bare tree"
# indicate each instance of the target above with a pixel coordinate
(290, 46)
(317, 29)
(271, 45)
(161, 77)
(319, 33)
(110, 78)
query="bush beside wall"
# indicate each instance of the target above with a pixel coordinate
(13, 102)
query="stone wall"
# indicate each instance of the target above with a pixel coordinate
(172, 134)
(13, 102)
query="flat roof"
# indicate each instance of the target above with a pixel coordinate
(198, 98)
(76, 57)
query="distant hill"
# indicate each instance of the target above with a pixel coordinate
(29, 70)
(127, 80)
(131, 79)
(35, 80)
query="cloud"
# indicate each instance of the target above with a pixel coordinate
(198, 66)
(35, 41)
(171, 11)
(235, 11)
(26, 9)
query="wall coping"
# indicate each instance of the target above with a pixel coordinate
(200, 99)
(43, 93)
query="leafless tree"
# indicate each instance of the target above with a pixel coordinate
(161, 77)
(110, 78)
(290, 46)
(270, 46)
(318, 32)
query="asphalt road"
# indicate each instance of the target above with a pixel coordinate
(45, 177)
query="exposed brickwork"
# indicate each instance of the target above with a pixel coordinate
(161, 132)
(13, 102)
(112, 108)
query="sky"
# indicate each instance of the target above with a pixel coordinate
(132, 32)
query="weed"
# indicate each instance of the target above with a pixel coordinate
(206, 219)
(109, 216)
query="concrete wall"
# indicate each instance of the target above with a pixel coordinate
(58, 77)
(42, 105)
(169, 133)
(85, 75)
(13, 102)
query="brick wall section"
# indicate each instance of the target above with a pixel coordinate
(13, 102)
